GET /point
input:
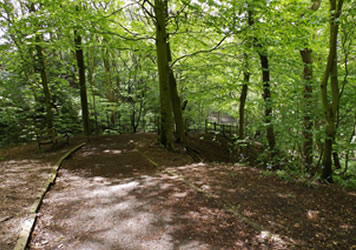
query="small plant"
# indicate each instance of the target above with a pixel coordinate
(284, 175)
(267, 173)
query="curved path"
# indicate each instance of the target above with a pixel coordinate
(108, 196)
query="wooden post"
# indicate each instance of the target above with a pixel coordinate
(214, 126)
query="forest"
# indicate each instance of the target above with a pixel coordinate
(283, 70)
(177, 124)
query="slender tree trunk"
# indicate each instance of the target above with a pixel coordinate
(247, 74)
(44, 81)
(268, 102)
(44, 75)
(83, 90)
(166, 124)
(108, 83)
(133, 119)
(91, 83)
(117, 78)
(266, 88)
(307, 120)
(330, 108)
(243, 97)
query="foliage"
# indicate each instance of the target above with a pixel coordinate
(208, 40)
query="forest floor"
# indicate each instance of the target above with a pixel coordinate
(127, 192)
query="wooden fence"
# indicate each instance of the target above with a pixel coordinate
(124, 126)
(224, 129)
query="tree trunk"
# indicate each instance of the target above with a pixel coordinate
(336, 160)
(108, 83)
(91, 82)
(44, 75)
(268, 102)
(307, 120)
(176, 103)
(133, 121)
(177, 110)
(83, 90)
(243, 97)
(330, 108)
(166, 124)
(44, 81)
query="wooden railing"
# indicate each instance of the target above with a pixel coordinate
(124, 126)
(224, 129)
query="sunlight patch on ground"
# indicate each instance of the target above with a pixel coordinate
(193, 245)
(180, 195)
(352, 193)
(134, 223)
(111, 151)
(191, 166)
(268, 236)
(112, 190)
(165, 186)
(286, 195)
(205, 187)
(248, 213)
(346, 226)
(313, 214)
(87, 153)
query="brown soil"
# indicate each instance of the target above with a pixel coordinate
(108, 195)
(24, 171)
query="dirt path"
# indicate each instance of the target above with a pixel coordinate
(24, 173)
(108, 196)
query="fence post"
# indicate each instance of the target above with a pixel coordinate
(214, 126)
(206, 126)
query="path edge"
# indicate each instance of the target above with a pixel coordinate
(29, 223)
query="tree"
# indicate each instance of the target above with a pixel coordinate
(166, 124)
(330, 107)
(307, 59)
(82, 85)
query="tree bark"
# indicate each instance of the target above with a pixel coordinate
(177, 110)
(266, 88)
(166, 124)
(176, 103)
(268, 102)
(108, 82)
(91, 64)
(243, 97)
(330, 108)
(306, 55)
(83, 90)
(247, 74)
(110, 93)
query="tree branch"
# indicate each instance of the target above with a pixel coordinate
(200, 51)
